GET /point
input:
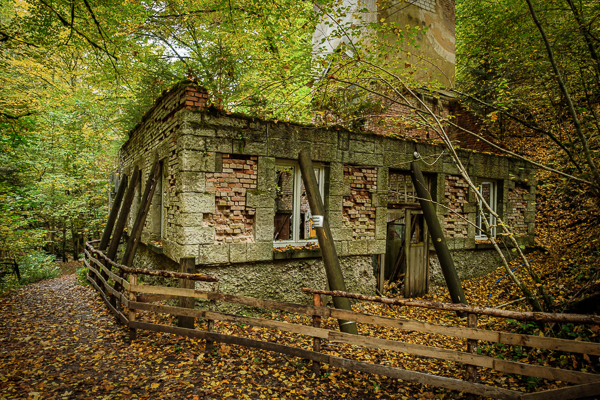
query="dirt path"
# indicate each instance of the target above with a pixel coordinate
(57, 341)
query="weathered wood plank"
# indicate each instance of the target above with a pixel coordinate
(163, 290)
(238, 319)
(425, 378)
(187, 266)
(116, 312)
(472, 348)
(114, 212)
(494, 312)
(108, 272)
(150, 298)
(413, 376)
(210, 323)
(420, 350)
(151, 272)
(461, 332)
(571, 392)
(471, 333)
(111, 290)
(511, 367)
(131, 312)
(316, 367)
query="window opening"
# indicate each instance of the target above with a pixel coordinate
(488, 192)
(293, 224)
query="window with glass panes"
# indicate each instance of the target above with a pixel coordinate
(293, 223)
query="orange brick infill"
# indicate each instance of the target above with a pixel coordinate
(456, 195)
(233, 220)
(358, 211)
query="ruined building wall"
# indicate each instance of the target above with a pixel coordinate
(220, 188)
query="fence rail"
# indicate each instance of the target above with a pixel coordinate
(139, 297)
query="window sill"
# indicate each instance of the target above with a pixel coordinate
(155, 248)
(297, 253)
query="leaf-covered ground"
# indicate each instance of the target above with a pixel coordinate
(58, 341)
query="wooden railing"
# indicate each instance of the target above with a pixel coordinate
(134, 297)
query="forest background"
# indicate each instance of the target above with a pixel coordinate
(76, 76)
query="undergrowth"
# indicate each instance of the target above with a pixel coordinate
(33, 267)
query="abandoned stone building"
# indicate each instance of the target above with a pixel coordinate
(231, 197)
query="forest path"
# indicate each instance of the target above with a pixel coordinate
(58, 341)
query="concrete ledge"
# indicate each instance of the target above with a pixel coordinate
(296, 254)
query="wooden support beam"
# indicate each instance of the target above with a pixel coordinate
(132, 299)
(188, 266)
(316, 366)
(140, 220)
(437, 237)
(123, 215)
(210, 323)
(472, 348)
(330, 258)
(114, 212)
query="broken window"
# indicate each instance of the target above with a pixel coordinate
(488, 192)
(293, 223)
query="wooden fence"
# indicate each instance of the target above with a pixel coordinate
(109, 280)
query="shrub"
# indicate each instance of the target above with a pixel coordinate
(82, 273)
(37, 266)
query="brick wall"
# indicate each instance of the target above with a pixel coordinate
(427, 5)
(401, 189)
(456, 195)
(467, 120)
(516, 217)
(400, 127)
(358, 211)
(232, 220)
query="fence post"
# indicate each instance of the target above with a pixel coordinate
(210, 326)
(132, 297)
(472, 348)
(316, 366)
(188, 266)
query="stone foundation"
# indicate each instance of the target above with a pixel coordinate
(469, 264)
(279, 280)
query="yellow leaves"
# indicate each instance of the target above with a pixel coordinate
(154, 386)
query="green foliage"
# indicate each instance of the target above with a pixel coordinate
(82, 274)
(37, 266)
(506, 65)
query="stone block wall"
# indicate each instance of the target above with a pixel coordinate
(220, 189)
(155, 138)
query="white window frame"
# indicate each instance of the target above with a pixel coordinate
(296, 202)
(480, 230)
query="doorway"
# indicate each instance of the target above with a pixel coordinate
(407, 251)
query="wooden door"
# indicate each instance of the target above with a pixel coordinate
(416, 280)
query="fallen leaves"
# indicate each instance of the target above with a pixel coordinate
(58, 338)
